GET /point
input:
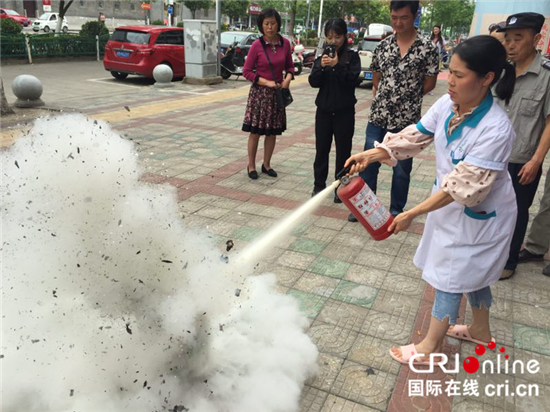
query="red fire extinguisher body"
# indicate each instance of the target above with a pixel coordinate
(366, 207)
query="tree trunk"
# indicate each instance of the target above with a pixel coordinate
(292, 22)
(62, 10)
(4, 105)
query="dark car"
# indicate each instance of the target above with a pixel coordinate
(12, 14)
(243, 40)
(139, 49)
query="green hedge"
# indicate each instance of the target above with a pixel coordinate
(48, 45)
(13, 46)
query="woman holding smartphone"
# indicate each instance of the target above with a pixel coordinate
(335, 74)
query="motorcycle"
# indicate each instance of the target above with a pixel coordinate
(298, 59)
(232, 62)
(308, 59)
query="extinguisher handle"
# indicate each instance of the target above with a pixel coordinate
(345, 170)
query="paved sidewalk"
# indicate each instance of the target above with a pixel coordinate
(361, 296)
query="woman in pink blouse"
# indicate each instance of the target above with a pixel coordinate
(263, 116)
(472, 208)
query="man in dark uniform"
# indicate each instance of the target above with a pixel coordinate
(529, 111)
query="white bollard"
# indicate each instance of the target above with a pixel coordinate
(163, 75)
(28, 90)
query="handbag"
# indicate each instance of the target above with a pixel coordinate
(284, 97)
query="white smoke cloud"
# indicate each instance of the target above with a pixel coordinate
(111, 304)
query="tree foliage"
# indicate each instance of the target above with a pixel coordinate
(452, 15)
(235, 9)
(94, 28)
(194, 5)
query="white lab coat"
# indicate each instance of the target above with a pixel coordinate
(464, 249)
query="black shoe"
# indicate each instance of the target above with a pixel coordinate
(546, 270)
(507, 274)
(269, 172)
(352, 218)
(336, 198)
(252, 174)
(316, 191)
(526, 256)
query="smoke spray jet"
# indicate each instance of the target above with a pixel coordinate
(110, 303)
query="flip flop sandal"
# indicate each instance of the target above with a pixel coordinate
(406, 353)
(461, 332)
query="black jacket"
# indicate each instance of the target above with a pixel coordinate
(336, 84)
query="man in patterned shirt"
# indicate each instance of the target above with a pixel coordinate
(405, 67)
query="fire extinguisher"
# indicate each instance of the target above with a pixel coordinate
(365, 206)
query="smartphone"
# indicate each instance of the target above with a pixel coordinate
(330, 50)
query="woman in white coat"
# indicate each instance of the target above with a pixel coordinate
(472, 209)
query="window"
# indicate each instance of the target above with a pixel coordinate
(229, 37)
(251, 40)
(173, 37)
(100, 4)
(126, 36)
(132, 6)
(117, 5)
(82, 4)
(53, 17)
(205, 12)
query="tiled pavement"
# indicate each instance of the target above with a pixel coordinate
(361, 296)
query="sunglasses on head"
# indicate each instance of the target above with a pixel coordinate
(496, 26)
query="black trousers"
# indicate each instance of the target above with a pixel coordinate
(525, 194)
(341, 125)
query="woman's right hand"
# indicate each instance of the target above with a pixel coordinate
(272, 84)
(363, 159)
(325, 60)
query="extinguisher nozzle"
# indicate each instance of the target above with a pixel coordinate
(345, 170)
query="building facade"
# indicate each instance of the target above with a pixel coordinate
(118, 9)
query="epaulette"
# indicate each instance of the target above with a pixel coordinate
(546, 64)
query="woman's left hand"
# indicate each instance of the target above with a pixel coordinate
(286, 83)
(401, 222)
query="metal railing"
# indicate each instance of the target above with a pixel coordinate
(49, 45)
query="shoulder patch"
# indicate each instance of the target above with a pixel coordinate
(546, 64)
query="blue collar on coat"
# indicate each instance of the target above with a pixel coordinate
(470, 121)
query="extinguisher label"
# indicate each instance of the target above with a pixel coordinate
(370, 208)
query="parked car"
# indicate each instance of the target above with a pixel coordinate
(241, 39)
(139, 49)
(374, 34)
(366, 50)
(48, 22)
(12, 14)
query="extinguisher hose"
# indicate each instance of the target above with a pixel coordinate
(345, 170)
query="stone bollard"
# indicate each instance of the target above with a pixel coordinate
(28, 90)
(163, 76)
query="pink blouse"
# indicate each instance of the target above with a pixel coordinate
(466, 184)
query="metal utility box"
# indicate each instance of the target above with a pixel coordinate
(201, 48)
